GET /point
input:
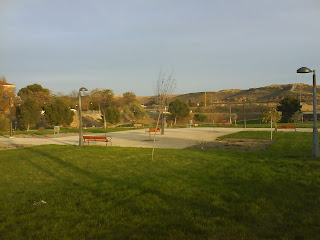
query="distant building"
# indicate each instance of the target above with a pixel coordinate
(9, 90)
(7, 87)
(308, 116)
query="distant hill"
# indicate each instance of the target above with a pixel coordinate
(272, 93)
(267, 94)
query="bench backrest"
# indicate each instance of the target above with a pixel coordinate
(154, 129)
(94, 137)
(88, 137)
(286, 126)
(100, 137)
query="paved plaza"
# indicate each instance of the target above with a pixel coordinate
(178, 138)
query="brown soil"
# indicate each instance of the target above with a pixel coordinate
(45, 135)
(239, 144)
(6, 146)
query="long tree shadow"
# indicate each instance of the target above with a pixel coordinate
(172, 200)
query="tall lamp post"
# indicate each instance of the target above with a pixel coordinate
(83, 89)
(244, 114)
(315, 139)
(230, 118)
(11, 129)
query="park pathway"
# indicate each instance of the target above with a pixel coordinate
(178, 138)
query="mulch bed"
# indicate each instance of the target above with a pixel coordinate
(7, 146)
(239, 144)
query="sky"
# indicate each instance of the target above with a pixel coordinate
(207, 45)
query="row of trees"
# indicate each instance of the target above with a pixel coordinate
(113, 109)
(288, 110)
(38, 105)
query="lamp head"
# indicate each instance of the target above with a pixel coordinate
(83, 89)
(304, 70)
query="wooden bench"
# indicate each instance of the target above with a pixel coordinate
(285, 127)
(224, 124)
(150, 130)
(97, 139)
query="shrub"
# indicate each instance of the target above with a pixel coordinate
(200, 117)
(41, 129)
(58, 113)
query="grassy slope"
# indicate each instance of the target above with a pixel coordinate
(116, 193)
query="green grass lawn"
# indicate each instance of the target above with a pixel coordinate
(117, 193)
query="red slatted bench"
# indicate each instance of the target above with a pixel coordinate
(150, 130)
(285, 127)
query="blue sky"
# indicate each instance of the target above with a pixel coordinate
(122, 45)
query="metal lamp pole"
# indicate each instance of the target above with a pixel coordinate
(80, 117)
(244, 114)
(315, 139)
(230, 118)
(11, 129)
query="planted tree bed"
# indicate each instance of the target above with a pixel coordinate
(239, 144)
(7, 146)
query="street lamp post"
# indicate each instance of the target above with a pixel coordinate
(83, 89)
(315, 139)
(11, 129)
(230, 117)
(244, 114)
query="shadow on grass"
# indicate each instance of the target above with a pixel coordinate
(171, 200)
(5, 136)
(245, 184)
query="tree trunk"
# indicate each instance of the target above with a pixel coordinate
(28, 126)
(162, 123)
(104, 123)
(154, 137)
(175, 121)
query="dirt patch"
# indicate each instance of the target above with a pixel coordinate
(239, 144)
(45, 135)
(6, 146)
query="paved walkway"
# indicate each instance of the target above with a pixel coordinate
(173, 138)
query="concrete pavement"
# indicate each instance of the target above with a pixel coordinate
(174, 138)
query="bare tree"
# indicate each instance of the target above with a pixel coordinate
(272, 116)
(164, 86)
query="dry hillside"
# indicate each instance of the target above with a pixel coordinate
(267, 94)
